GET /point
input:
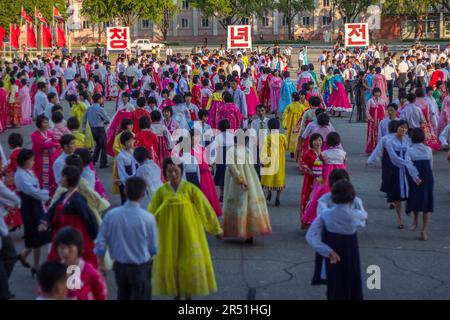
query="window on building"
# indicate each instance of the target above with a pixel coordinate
(305, 21)
(85, 24)
(245, 21)
(265, 21)
(326, 20)
(285, 21)
(185, 4)
(326, 3)
(184, 23)
(145, 24)
(205, 22)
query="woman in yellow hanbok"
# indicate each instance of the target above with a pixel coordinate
(78, 109)
(292, 116)
(273, 161)
(183, 265)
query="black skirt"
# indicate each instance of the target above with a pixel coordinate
(221, 166)
(343, 279)
(192, 177)
(32, 213)
(392, 185)
(385, 170)
(421, 198)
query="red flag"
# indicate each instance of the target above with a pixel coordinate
(2, 35)
(60, 36)
(57, 15)
(26, 16)
(38, 14)
(14, 33)
(31, 37)
(46, 36)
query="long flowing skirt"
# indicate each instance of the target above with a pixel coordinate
(421, 197)
(430, 137)
(377, 115)
(275, 98)
(15, 114)
(209, 190)
(252, 101)
(338, 100)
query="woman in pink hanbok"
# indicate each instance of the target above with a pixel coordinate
(430, 138)
(25, 103)
(248, 87)
(379, 81)
(275, 90)
(206, 178)
(115, 127)
(111, 85)
(228, 110)
(375, 111)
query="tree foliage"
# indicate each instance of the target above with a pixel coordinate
(128, 12)
(230, 12)
(10, 10)
(352, 8)
(290, 8)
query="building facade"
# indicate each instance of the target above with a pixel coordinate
(190, 25)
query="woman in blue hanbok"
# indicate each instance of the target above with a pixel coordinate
(287, 89)
(326, 85)
(369, 78)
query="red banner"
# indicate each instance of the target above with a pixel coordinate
(14, 34)
(2, 35)
(31, 37)
(38, 14)
(46, 36)
(60, 36)
(25, 16)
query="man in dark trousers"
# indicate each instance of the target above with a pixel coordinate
(98, 120)
(131, 235)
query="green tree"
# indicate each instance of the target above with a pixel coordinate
(290, 8)
(128, 12)
(352, 8)
(417, 10)
(169, 10)
(10, 10)
(230, 12)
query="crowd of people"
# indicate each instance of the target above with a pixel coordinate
(199, 142)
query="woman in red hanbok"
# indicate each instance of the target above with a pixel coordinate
(250, 93)
(13, 218)
(3, 109)
(206, 178)
(45, 149)
(379, 81)
(430, 138)
(147, 139)
(196, 91)
(375, 110)
(72, 210)
(115, 127)
(266, 91)
(69, 246)
(312, 160)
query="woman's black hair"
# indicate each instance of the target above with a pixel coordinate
(125, 123)
(39, 120)
(392, 105)
(336, 175)
(323, 119)
(134, 188)
(333, 139)
(417, 135)
(400, 123)
(85, 156)
(57, 117)
(69, 236)
(155, 115)
(420, 93)
(72, 175)
(392, 126)
(168, 162)
(50, 273)
(141, 154)
(202, 113)
(295, 96)
(273, 124)
(343, 192)
(376, 90)
(168, 109)
(313, 138)
(75, 160)
(144, 122)
(177, 99)
(66, 140)
(73, 123)
(125, 136)
(224, 125)
(24, 156)
(15, 140)
(227, 97)
(314, 101)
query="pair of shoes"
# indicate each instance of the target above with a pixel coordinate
(22, 261)
(424, 236)
(33, 272)
(277, 202)
(249, 241)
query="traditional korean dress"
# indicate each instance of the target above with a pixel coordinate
(115, 127)
(326, 89)
(314, 162)
(45, 149)
(369, 78)
(379, 81)
(245, 211)
(3, 110)
(376, 111)
(72, 210)
(338, 100)
(78, 110)
(15, 110)
(13, 218)
(380, 151)
(251, 96)
(291, 117)
(430, 138)
(147, 139)
(444, 117)
(421, 197)
(206, 179)
(138, 113)
(183, 251)
(274, 161)
(165, 143)
(25, 103)
(111, 86)
(93, 284)
(275, 91)
(227, 111)
(287, 89)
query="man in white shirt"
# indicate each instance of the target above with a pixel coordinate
(349, 76)
(40, 100)
(389, 73)
(412, 113)
(130, 72)
(183, 84)
(68, 147)
(402, 69)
